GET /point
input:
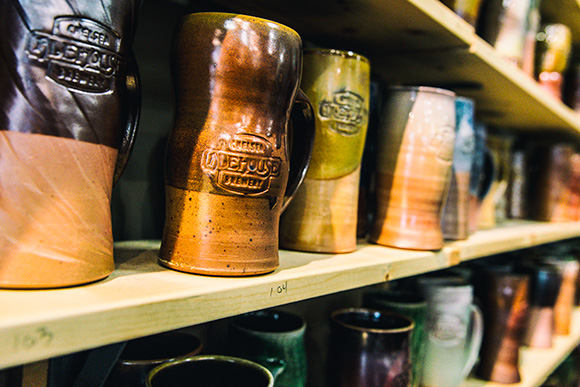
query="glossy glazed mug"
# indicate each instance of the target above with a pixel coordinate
(454, 332)
(322, 217)
(554, 48)
(411, 305)
(274, 339)
(369, 348)
(69, 106)
(455, 216)
(210, 371)
(505, 306)
(229, 172)
(141, 355)
(568, 267)
(413, 168)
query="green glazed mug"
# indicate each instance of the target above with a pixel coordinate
(323, 215)
(274, 339)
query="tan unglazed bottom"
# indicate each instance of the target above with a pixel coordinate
(219, 235)
(55, 218)
(322, 217)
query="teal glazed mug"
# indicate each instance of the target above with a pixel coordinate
(232, 163)
(210, 371)
(69, 108)
(274, 339)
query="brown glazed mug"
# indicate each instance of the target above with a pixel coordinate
(210, 371)
(504, 300)
(228, 169)
(369, 348)
(413, 170)
(69, 106)
(322, 217)
(141, 355)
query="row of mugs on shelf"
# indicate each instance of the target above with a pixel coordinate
(429, 330)
(232, 166)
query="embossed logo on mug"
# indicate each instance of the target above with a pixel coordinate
(242, 164)
(442, 142)
(80, 54)
(446, 329)
(346, 112)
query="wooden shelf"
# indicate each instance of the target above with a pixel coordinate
(536, 364)
(142, 298)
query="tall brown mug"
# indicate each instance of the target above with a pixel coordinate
(232, 164)
(69, 106)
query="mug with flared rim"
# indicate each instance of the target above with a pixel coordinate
(210, 371)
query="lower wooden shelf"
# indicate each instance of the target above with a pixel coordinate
(536, 364)
(142, 298)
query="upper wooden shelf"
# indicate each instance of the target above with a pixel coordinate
(142, 298)
(422, 42)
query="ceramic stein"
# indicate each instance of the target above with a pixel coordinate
(568, 267)
(504, 300)
(545, 281)
(210, 371)
(413, 169)
(554, 47)
(274, 339)
(322, 217)
(229, 172)
(141, 355)
(369, 348)
(69, 106)
(518, 184)
(455, 217)
(411, 305)
(454, 332)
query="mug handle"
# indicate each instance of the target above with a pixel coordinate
(131, 115)
(476, 337)
(302, 142)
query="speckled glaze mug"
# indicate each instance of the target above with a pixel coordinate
(413, 170)
(69, 108)
(322, 217)
(229, 172)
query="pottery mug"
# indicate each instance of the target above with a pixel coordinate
(554, 48)
(468, 10)
(568, 267)
(322, 217)
(504, 300)
(413, 169)
(274, 339)
(411, 305)
(454, 332)
(369, 348)
(229, 172)
(141, 355)
(210, 371)
(69, 106)
(455, 216)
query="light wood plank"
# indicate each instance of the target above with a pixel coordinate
(142, 298)
(537, 364)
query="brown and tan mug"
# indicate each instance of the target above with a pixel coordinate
(229, 172)
(413, 171)
(322, 217)
(69, 107)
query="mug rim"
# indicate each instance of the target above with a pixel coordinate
(268, 314)
(193, 15)
(335, 52)
(426, 89)
(407, 328)
(229, 359)
(128, 361)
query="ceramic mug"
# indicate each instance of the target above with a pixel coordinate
(454, 332)
(568, 267)
(411, 305)
(504, 300)
(274, 339)
(455, 216)
(369, 348)
(481, 175)
(69, 106)
(210, 371)
(141, 355)
(413, 168)
(468, 10)
(229, 172)
(322, 217)
(554, 47)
